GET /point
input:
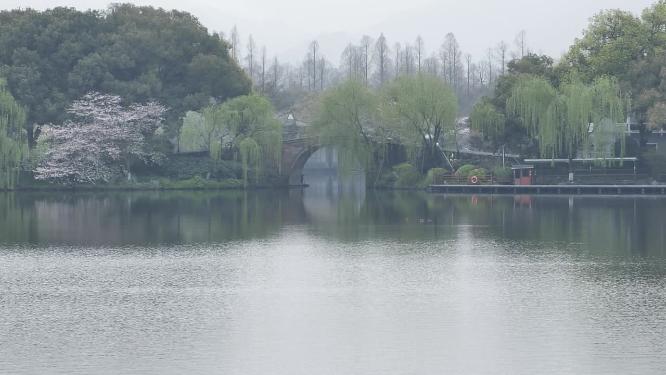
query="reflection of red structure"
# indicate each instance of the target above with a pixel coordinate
(475, 200)
(522, 201)
(523, 174)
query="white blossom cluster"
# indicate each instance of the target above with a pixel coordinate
(100, 142)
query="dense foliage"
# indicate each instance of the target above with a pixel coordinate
(632, 49)
(12, 139)
(348, 117)
(53, 57)
(243, 129)
(422, 109)
(575, 119)
(619, 56)
(490, 116)
(415, 112)
(568, 120)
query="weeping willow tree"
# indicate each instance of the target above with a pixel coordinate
(244, 127)
(348, 118)
(214, 129)
(13, 145)
(575, 119)
(202, 132)
(487, 120)
(250, 153)
(253, 131)
(422, 109)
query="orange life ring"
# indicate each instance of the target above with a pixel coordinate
(474, 180)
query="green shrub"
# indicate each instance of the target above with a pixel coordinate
(407, 176)
(435, 175)
(479, 172)
(502, 173)
(465, 170)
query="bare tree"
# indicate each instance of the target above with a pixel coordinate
(251, 47)
(521, 43)
(490, 66)
(468, 61)
(235, 43)
(263, 69)
(301, 76)
(444, 60)
(314, 49)
(473, 69)
(381, 58)
(431, 65)
(398, 58)
(453, 54)
(409, 59)
(322, 73)
(366, 43)
(502, 49)
(481, 73)
(419, 49)
(275, 68)
(349, 60)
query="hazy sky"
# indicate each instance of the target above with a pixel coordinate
(286, 26)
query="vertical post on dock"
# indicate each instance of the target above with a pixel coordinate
(503, 156)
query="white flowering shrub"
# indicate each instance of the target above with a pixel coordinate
(99, 143)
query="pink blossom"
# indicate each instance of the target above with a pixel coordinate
(100, 141)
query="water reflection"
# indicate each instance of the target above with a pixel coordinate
(617, 225)
(330, 280)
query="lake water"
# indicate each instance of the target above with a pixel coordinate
(331, 281)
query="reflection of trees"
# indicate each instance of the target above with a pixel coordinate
(596, 225)
(602, 225)
(16, 219)
(141, 218)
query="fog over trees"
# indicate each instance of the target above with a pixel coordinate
(375, 61)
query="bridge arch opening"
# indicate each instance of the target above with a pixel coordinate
(318, 167)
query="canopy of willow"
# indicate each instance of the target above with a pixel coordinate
(485, 118)
(421, 108)
(245, 124)
(415, 111)
(577, 117)
(348, 117)
(13, 147)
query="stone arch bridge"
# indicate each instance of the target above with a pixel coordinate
(295, 153)
(298, 145)
(297, 150)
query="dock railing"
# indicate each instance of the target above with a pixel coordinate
(550, 179)
(592, 179)
(451, 179)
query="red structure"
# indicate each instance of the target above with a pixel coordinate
(523, 174)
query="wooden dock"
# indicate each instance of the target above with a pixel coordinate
(551, 189)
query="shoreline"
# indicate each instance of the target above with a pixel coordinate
(608, 190)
